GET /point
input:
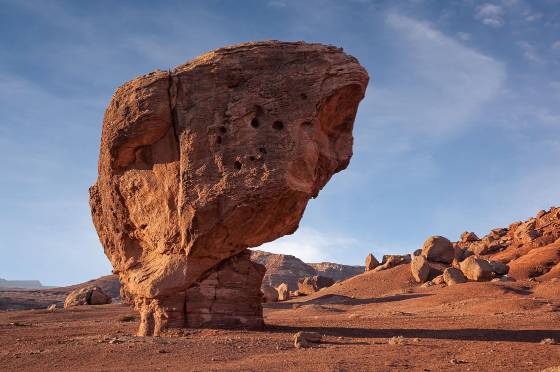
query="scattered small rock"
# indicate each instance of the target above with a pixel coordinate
(306, 339)
(396, 340)
(51, 308)
(548, 341)
(127, 318)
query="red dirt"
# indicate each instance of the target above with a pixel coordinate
(472, 326)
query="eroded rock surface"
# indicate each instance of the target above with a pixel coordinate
(218, 155)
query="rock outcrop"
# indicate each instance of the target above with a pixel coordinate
(220, 154)
(392, 260)
(313, 284)
(420, 269)
(283, 268)
(283, 292)
(87, 296)
(270, 294)
(438, 249)
(530, 248)
(476, 269)
(452, 276)
(371, 262)
(336, 271)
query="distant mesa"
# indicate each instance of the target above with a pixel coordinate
(216, 156)
(21, 284)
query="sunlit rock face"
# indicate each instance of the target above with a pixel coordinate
(220, 154)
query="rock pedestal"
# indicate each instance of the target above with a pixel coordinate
(216, 156)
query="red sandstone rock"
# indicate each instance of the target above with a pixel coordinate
(469, 236)
(420, 269)
(371, 262)
(87, 296)
(283, 292)
(270, 294)
(438, 249)
(220, 154)
(312, 284)
(453, 276)
(284, 268)
(476, 269)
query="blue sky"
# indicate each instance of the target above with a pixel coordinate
(459, 130)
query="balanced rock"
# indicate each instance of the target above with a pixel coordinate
(283, 292)
(476, 269)
(87, 296)
(312, 284)
(371, 262)
(438, 249)
(270, 294)
(420, 269)
(217, 155)
(453, 276)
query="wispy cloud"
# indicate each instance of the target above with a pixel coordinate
(445, 84)
(490, 14)
(529, 51)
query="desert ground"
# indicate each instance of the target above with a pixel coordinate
(376, 321)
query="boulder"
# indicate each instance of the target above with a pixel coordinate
(417, 252)
(217, 155)
(371, 262)
(283, 292)
(270, 294)
(476, 269)
(87, 296)
(438, 280)
(469, 236)
(420, 269)
(390, 261)
(438, 249)
(453, 276)
(312, 284)
(499, 268)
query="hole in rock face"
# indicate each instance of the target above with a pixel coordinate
(223, 129)
(237, 164)
(255, 123)
(303, 96)
(252, 158)
(278, 125)
(218, 140)
(262, 150)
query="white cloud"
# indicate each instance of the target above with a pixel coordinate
(530, 52)
(311, 245)
(490, 15)
(464, 36)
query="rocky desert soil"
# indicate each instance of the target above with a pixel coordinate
(376, 321)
